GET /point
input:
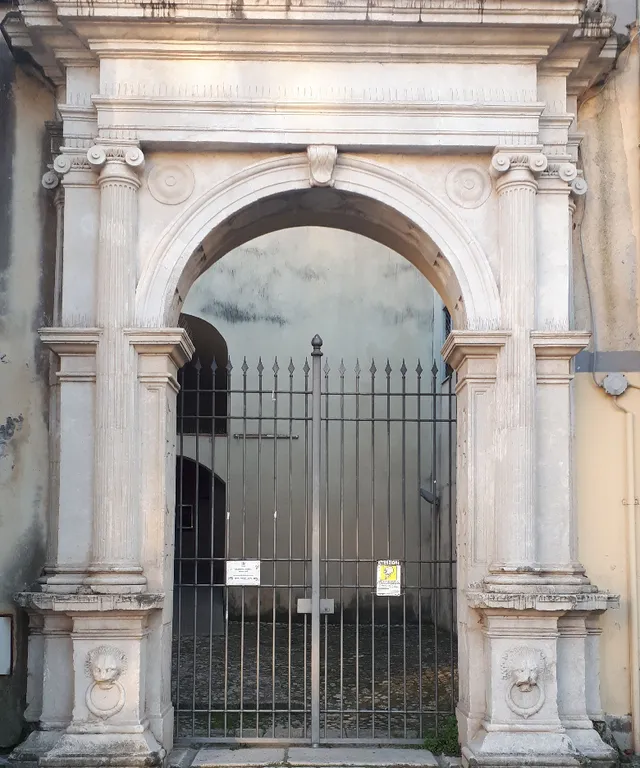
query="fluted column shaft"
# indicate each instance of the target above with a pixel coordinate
(115, 547)
(516, 380)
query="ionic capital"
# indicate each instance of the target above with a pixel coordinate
(517, 167)
(116, 163)
(502, 162)
(65, 165)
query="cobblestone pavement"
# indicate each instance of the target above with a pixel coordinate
(382, 684)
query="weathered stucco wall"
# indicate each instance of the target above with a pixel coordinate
(606, 243)
(25, 285)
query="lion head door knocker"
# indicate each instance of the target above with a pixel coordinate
(524, 669)
(105, 695)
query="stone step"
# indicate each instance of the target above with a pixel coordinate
(303, 757)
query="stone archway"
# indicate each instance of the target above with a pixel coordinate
(523, 600)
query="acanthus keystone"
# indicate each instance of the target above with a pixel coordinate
(322, 162)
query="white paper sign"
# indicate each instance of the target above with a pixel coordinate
(243, 573)
(388, 581)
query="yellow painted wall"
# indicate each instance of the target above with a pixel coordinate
(600, 473)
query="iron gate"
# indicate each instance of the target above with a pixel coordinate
(314, 594)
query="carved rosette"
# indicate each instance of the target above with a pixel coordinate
(468, 186)
(105, 695)
(524, 668)
(171, 183)
(322, 163)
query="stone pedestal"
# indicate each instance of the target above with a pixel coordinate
(98, 715)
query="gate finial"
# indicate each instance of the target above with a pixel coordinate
(316, 343)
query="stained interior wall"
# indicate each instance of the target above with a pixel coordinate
(27, 240)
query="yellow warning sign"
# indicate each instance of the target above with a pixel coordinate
(388, 582)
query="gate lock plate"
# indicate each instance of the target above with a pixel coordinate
(326, 605)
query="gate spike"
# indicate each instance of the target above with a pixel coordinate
(326, 368)
(434, 369)
(245, 366)
(197, 365)
(403, 368)
(387, 368)
(260, 366)
(229, 366)
(342, 370)
(291, 366)
(419, 368)
(357, 370)
(214, 366)
(305, 367)
(373, 368)
(276, 367)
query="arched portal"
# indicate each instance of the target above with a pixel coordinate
(387, 488)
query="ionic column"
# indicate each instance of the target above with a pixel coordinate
(515, 555)
(73, 340)
(555, 346)
(115, 564)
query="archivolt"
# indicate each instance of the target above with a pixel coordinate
(382, 204)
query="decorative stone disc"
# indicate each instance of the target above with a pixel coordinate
(468, 187)
(171, 183)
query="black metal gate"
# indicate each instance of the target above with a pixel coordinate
(315, 574)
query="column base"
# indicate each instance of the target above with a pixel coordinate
(515, 749)
(104, 750)
(34, 747)
(590, 745)
(112, 581)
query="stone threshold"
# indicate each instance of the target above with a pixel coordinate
(307, 757)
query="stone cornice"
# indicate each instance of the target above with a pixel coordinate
(174, 342)
(71, 341)
(461, 344)
(549, 600)
(559, 344)
(89, 603)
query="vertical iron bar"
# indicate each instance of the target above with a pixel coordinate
(357, 372)
(291, 371)
(419, 502)
(326, 540)
(259, 543)
(434, 535)
(388, 372)
(316, 355)
(306, 370)
(212, 564)
(245, 368)
(403, 371)
(275, 545)
(373, 549)
(452, 533)
(227, 501)
(342, 372)
(178, 522)
(196, 515)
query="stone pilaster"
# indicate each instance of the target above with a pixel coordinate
(69, 544)
(161, 353)
(474, 355)
(556, 526)
(515, 556)
(115, 552)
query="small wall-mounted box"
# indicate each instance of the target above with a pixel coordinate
(6, 644)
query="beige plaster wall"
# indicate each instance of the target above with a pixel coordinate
(25, 284)
(606, 234)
